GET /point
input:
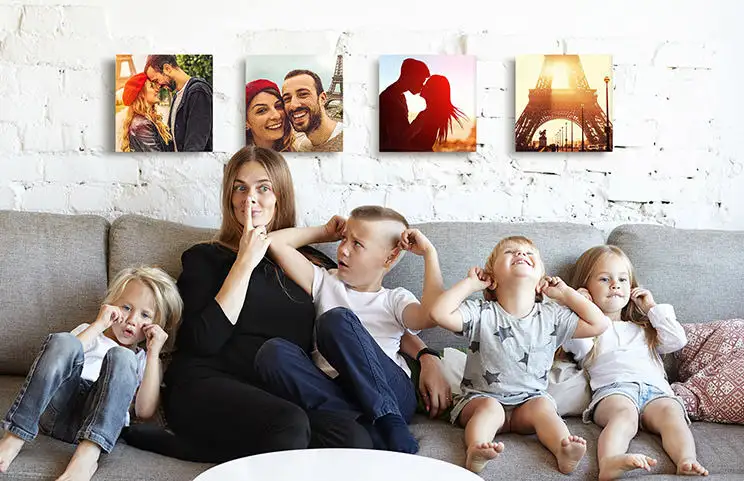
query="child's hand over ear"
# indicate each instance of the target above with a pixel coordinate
(156, 337)
(108, 315)
(334, 228)
(554, 287)
(479, 280)
(584, 292)
(415, 241)
(643, 299)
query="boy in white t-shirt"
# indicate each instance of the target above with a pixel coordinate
(359, 323)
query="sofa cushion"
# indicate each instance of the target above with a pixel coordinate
(137, 240)
(46, 458)
(53, 277)
(711, 368)
(694, 270)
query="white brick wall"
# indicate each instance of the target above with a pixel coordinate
(678, 159)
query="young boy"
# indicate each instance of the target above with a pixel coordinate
(512, 343)
(359, 323)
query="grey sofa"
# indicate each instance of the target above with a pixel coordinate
(54, 271)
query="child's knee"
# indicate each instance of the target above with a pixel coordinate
(121, 359)
(64, 344)
(334, 320)
(275, 353)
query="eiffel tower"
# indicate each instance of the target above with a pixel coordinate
(577, 104)
(336, 81)
(122, 79)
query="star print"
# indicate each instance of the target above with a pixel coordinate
(475, 346)
(525, 359)
(544, 377)
(467, 382)
(491, 377)
(503, 333)
(466, 326)
(555, 332)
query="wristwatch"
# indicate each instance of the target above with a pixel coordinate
(427, 350)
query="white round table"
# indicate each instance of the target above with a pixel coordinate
(336, 465)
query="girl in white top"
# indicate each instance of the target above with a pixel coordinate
(628, 381)
(82, 383)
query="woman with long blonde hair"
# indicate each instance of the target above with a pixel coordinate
(143, 129)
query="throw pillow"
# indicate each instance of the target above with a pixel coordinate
(711, 371)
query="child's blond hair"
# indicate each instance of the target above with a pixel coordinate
(583, 270)
(488, 294)
(375, 213)
(168, 302)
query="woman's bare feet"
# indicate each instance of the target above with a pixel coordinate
(691, 467)
(571, 452)
(83, 464)
(614, 467)
(479, 455)
(10, 446)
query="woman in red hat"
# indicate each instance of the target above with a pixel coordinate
(143, 129)
(266, 123)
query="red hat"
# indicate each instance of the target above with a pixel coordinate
(255, 87)
(132, 87)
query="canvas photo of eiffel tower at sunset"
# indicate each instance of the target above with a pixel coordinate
(563, 103)
(427, 103)
(294, 103)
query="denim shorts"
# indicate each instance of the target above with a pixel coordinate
(641, 394)
(461, 400)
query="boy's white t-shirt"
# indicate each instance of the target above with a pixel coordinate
(381, 313)
(95, 353)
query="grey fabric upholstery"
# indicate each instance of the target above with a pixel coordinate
(699, 272)
(136, 240)
(53, 274)
(52, 278)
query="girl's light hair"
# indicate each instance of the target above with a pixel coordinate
(490, 295)
(140, 107)
(168, 303)
(583, 271)
(281, 180)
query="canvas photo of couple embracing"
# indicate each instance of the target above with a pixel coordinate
(427, 103)
(163, 103)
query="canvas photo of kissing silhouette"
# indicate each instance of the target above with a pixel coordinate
(294, 103)
(427, 103)
(163, 103)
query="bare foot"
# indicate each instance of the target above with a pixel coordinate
(691, 467)
(614, 467)
(10, 446)
(83, 464)
(480, 454)
(572, 450)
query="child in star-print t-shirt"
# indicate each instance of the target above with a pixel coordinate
(512, 342)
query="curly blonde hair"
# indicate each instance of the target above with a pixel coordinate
(140, 107)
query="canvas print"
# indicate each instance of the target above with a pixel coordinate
(294, 103)
(163, 103)
(563, 103)
(427, 103)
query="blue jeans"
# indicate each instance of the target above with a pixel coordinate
(369, 384)
(67, 407)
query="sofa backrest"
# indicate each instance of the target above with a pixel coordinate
(52, 278)
(699, 272)
(136, 240)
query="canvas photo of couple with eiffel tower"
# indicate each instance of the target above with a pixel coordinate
(294, 103)
(563, 103)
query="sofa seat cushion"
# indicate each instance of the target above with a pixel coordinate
(45, 458)
(719, 448)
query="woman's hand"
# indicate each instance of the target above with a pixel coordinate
(434, 388)
(253, 243)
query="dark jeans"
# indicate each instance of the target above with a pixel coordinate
(55, 398)
(370, 384)
(221, 417)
